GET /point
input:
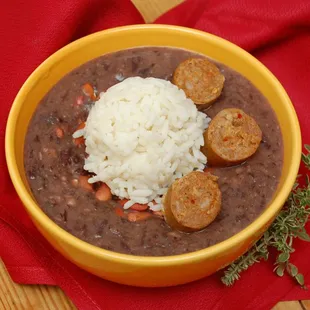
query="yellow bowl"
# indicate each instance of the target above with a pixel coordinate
(137, 270)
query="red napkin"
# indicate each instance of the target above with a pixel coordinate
(277, 32)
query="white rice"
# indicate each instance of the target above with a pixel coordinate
(142, 135)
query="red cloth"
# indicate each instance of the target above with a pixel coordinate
(277, 32)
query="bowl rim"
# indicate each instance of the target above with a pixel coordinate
(214, 250)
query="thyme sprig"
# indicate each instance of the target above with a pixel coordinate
(288, 225)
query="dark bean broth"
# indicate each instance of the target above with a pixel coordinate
(52, 163)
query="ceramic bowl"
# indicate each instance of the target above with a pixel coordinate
(137, 270)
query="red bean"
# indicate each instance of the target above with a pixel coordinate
(138, 216)
(59, 132)
(103, 193)
(89, 91)
(83, 182)
(139, 207)
(75, 182)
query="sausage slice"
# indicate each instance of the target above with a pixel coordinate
(200, 79)
(231, 138)
(192, 202)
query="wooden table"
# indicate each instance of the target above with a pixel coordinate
(41, 297)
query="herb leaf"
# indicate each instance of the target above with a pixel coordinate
(283, 257)
(300, 279)
(280, 270)
(288, 225)
(292, 270)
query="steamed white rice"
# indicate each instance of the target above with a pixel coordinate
(141, 135)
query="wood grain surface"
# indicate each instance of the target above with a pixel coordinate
(26, 297)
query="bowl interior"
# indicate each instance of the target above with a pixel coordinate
(79, 52)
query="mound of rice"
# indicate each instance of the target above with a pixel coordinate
(141, 135)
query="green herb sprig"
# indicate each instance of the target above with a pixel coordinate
(288, 225)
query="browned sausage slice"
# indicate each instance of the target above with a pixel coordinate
(192, 202)
(200, 79)
(231, 138)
